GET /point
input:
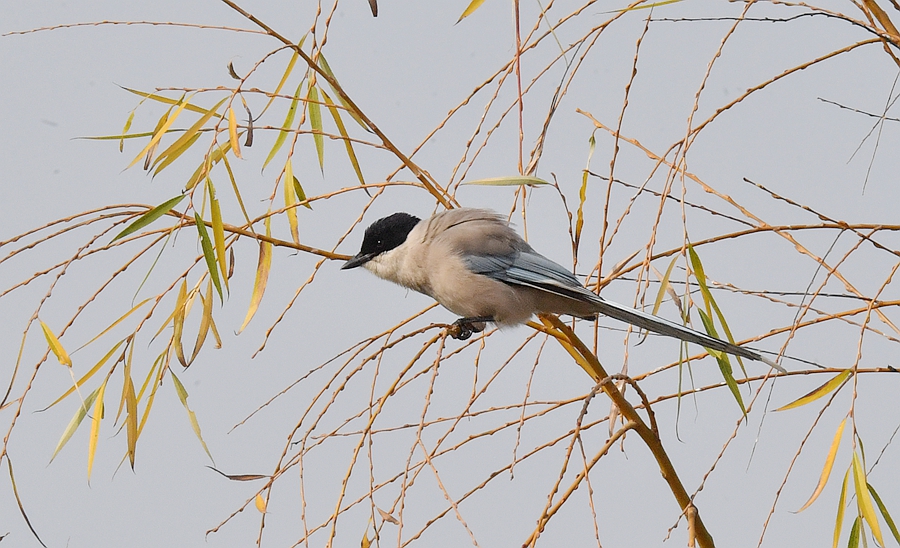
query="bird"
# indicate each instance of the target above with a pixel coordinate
(474, 264)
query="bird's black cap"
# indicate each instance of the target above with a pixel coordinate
(383, 235)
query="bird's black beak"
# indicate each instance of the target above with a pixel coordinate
(358, 260)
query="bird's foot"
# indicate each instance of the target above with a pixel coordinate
(463, 328)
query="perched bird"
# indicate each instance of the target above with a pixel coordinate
(475, 265)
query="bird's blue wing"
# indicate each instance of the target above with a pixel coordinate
(529, 269)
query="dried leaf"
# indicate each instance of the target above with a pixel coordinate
(387, 517)
(829, 463)
(240, 477)
(823, 390)
(150, 216)
(513, 180)
(12, 479)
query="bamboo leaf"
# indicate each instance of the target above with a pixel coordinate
(289, 200)
(285, 127)
(315, 121)
(823, 390)
(95, 428)
(470, 9)
(55, 346)
(183, 396)
(512, 180)
(336, 115)
(864, 500)
(208, 254)
(262, 277)
(841, 505)
(150, 216)
(218, 231)
(86, 376)
(884, 513)
(233, 133)
(829, 464)
(73, 425)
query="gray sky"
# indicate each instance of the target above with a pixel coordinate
(407, 69)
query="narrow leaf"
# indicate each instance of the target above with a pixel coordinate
(323, 64)
(186, 140)
(166, 123)
(823, 390)
(336, 115)
(470, 9)
(838, 522)
(125, 129)
(240, 477)
(664, 286)
(204, 322)
(829, 463)
(131, 417)
(853, 541)
(117, 322)
(301, 195)
(513, 180)
(12, 479)
(285, 127)
(150, 216)
(86, 376)
(724, 364)
(95, 429)
(55, 346)
(582, 192)
(233, 133)
(183, 396)
(864, 500)
(315, 121)
(262, 277)
(178, 322)
(884, 513)
(290, 200)
(167, 100)
(209, 254)
(73, 425)
(218, 231)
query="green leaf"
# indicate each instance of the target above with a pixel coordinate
(884, 513)
(150, 216)
(75, 422)
(209, 254)
(183, 396)
(315, 121)
(285, 127)
(724, 364)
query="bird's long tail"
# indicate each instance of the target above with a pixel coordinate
(672, 329)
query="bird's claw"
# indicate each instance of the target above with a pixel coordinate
(463, 328)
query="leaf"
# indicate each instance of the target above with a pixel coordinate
(290, 200)
(208, 254)
(724, 364)
(470, 9)
(323, 64)
(167, 100)
(365, 543)
(829, 463)
(260, 503)
(12, 479)
(823, 390)
(73, 425)
(233, 133)
(86, 376)
(205, 320)
(178, 322)
(840, 513)
(184, 142)
(95, 429)
(125, 129)
(884, 513)
(664, 286)
(864, 500)
(284, 78)
(285, 127)
(130, 419)
(336, 115)
(164, 125)
(211, 159)
(853, 541)
(512, 180)
(117, 322)
(387, 517)
(301, 195)
(262, 277)
(315, 121)
(240, 477)
(237, 193)
(55, 346)
(150, 216)
(218, 230)
(183, 396)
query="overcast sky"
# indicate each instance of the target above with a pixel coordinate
(406, 69)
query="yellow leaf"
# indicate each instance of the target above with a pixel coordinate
(315, 121)
(184, 142)
(664, 286)
(130, 419)
(167, 100)
(826, 388)
(178, 323)
(125, 130)
(829, 463)
(262, 276)
(86, 376)
(366, 543)
(473, 5)
(209, 254)
(285, 127)
(74, 423)
(864, 499)
(336, 115)
(840, 513)
(55, 346)
(95, 428)
(290, 200)
(233, 134)
(514, 180)
(117, 322)
(204, 321)
(260, 503)
(164, 125)
(284, 78)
